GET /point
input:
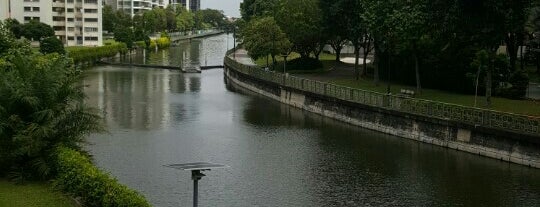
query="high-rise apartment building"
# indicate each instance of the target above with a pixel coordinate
(134, 7)
(192, 5)
(75, 22)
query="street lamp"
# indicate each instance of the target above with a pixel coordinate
(285, 62)
(196, 174)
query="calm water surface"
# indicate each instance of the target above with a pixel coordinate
(278, 155)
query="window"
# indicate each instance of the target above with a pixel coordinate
(27, 8)
(27, 19)
(90, 38)
(59, 28)
(90, 20)
(35, 18)
(90, 1)
(70, 19)
(71, 38)
(58, 18)
(78, 19)
(69, 1)
(71, 29)
(70, 10)
(90, 11)
(90, 29)
(36, 9)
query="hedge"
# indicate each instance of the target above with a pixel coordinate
(80, 178)
(93, 54)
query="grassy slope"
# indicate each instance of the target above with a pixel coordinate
(31, 195)
(500, 104)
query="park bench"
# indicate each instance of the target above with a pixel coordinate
(407, 93)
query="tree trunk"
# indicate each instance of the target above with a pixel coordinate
(338, 53)
(417, 70)
(376, 66)
(538, 63)
(366, 49)
(356, 56)
(511, 48)
(488, 82)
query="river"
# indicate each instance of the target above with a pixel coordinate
(278, 155)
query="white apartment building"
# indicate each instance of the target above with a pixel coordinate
(75, 22)
(191, 5)
(134, 7)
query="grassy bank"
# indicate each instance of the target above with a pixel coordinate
(500, 104)
(38, 194)
(340, 76)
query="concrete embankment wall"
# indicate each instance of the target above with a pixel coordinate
(499, 144)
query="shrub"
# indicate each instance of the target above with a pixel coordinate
(51, 45)
(163, 42)
(92, 54)
(300, 64)
(79, 177)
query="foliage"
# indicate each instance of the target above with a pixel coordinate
(163, 42)
(37, 30)
(263, 37)
(41, 107)
(300, 64)
(92, 54)
(79, 177)
(301, 20)
(51, 45)
(125, 35)
(108, 18)
(15, 27)
(257, 8)
(184, 20)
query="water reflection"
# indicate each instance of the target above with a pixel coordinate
(133, 98)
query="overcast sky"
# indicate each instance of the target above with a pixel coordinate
(230, 7)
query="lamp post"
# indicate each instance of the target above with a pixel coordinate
(196, 174)
(285, 62)
(234, 42)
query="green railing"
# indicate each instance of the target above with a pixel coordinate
(516, 123)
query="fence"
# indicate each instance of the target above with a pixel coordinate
(516, 123)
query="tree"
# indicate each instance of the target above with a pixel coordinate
(263, 37)
(334, 25)
(109, 18)
(51, 45)
(257, 8)
(125, 35)
(215, 18)
(171, 18)
(184, 20)
(15, 27)
(41, 108)
(301, 20)
(37, 30)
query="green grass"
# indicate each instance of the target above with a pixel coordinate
(328, 61)
(533, 75)
(500, 104)
(31, 195)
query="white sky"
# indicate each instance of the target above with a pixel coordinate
(230, 7)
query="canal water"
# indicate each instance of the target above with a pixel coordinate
(278, 155)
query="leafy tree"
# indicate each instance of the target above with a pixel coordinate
(184, 20)
(15, 27)
(215, 18)
(301, 20)
(37, 30)
(51, 45)
(171, 18)
(125, 35)
(108, 17)
(334, 25)
(41, 108)
(257, 8)
(263, 37)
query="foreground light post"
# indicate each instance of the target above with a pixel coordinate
(285, 63)
(196, 174)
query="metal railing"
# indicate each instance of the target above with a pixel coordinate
(521, 124)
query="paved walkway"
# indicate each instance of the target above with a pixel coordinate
(242, 56)
(534, 91)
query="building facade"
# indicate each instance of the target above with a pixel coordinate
(75, 22)
(191, 5)
(134, 7)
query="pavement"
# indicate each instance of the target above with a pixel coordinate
(241, 56)
(534, 91)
